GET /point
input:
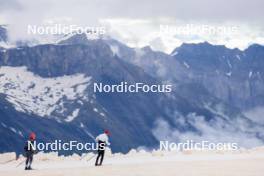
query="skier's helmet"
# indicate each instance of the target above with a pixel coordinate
(32, 136)
(107, 132)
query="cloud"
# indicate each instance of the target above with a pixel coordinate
(178, 9)
(8, 5)
(256, 115)
(140, 33)
(217, 130)
(137, 22)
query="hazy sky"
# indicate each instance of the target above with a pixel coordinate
(137, 22)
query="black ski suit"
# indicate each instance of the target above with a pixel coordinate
(102, 140)
(29, 152)
(101, 152)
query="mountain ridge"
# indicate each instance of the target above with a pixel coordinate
(132, 118)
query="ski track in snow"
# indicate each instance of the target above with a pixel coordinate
(31, 93)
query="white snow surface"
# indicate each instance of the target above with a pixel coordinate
(186, 64)
(238, 57)
(31, 93)
(73, 115)
(141, 163)
(174, 53)
(229, 74)
(6, 45)
(115, 50)
(229, 64)
(65, 37)
(250, 74)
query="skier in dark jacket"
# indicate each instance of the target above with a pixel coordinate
(30, 150)
(102, 141)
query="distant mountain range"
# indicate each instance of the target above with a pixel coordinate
(49, 89)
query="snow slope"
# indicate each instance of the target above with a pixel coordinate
(41, 96)
(157, 163)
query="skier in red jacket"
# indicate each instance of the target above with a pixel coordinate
(30, 150)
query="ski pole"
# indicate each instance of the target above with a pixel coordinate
(87, 153)
(8, 161)
(20, 163)
(85, 156)
(91, 158)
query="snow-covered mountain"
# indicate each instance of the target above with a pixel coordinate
(65, 74)
(232, 75)
(42, 96)
(51, 86)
